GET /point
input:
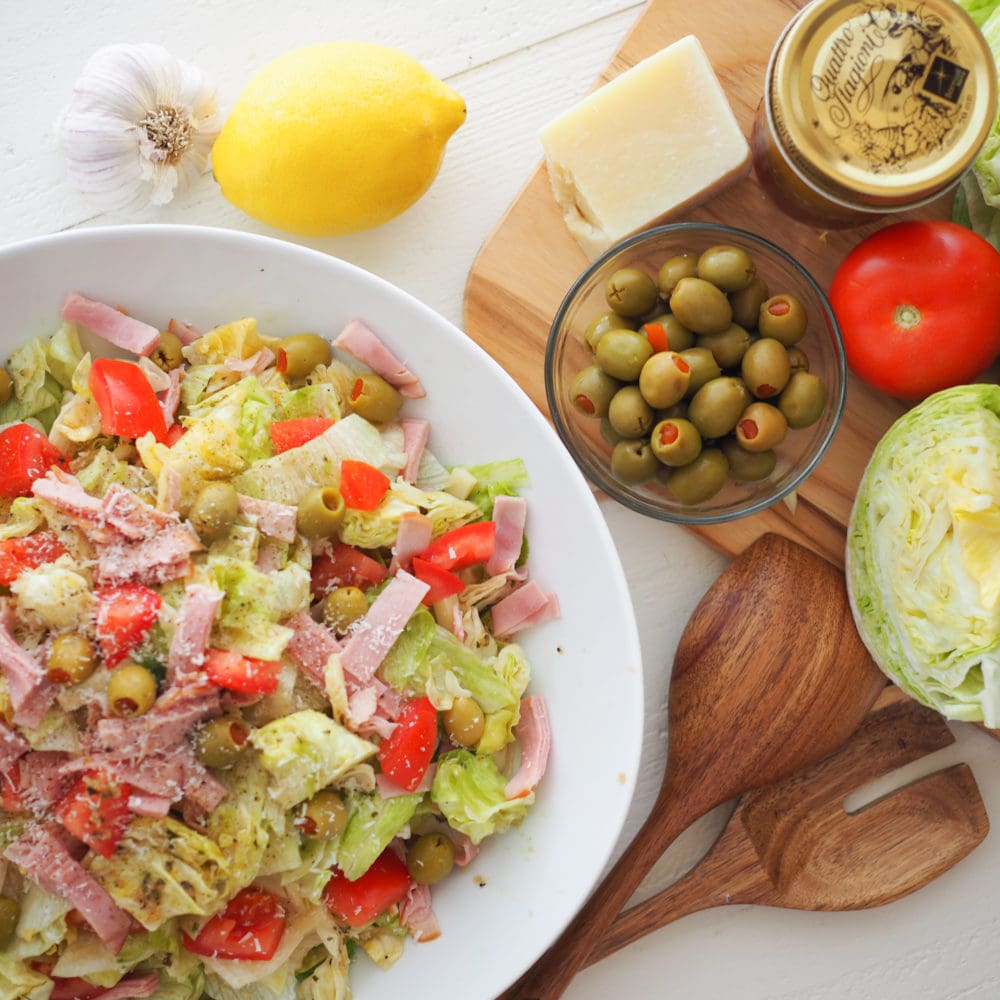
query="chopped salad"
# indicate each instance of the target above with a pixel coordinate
(260, 684)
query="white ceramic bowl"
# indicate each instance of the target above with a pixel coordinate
(499, 914)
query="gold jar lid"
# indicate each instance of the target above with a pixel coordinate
(884, 103)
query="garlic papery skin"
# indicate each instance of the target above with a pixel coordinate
(139, 126)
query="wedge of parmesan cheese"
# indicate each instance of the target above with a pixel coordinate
(656, 139)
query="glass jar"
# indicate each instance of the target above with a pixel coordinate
(872, 107)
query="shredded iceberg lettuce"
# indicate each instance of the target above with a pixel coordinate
(469, 790)
(163, 868)
(373, 823)
(305, 752)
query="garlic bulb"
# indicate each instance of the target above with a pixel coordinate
(139, 127)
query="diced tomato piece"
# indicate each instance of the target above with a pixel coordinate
(128, 405)
(443, 582)
(345, 566)
(11, 791)
(463, 546)
(19, 554)
(26, 454)
(249, 929)
(405, 756)
(235, 672)
(362, 485)
(96, 811)
(288, 434)
(174, 433)
(125, 613)
(359, 902)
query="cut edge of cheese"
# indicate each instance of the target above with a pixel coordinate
(657, 139)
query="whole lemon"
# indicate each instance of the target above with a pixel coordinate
(335, 138)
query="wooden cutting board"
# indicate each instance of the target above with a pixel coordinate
(529, 261)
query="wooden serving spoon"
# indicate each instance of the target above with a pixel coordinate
(769, 676)
(792, 843)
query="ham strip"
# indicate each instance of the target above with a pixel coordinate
(413, 535)
(509, 515)
(13, 746)
(115, 327)
(163, 727)
(361, 342)
(43, 779)
(416, 914)
(186, 652)
(527, 606)
(416, 433)
(31, 694)
(64, 492)
(375, 634)
(184, 332)
(278, 520)
(170, 397)
(310, 647)
(136, 542)
(535, 736)
(252, 365)
(43, 857)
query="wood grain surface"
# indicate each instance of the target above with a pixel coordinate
(792, 844)
(530, 260)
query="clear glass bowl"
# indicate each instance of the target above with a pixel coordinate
(567, 353)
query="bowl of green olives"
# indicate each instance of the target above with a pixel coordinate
(696, 373)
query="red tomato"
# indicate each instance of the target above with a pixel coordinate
(26, 454)
(249, 929)
(345, 566)
(125, 613)
(463, 546)
(359, 902)
(362, 485)
(235, 672)
(19, 554)
(442, 582)
(174, 433)
(129, 407)
(95, 810)
(919, 307)
(288, 434)
(405, 756)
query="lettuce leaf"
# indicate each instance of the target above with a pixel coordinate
(305, 752)
(373, 824)
(469, 790)
(162, 869)
(978, 196)
(378, 528)
(254, 603)
(428, 660)
(18, 981)
(36, 393)
(506, 477)
(287, 477)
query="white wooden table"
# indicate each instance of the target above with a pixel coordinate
(518, 63)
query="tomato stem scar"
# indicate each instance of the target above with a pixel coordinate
(906, 316)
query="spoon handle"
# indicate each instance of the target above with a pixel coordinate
(553, 972)
(730, 872)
